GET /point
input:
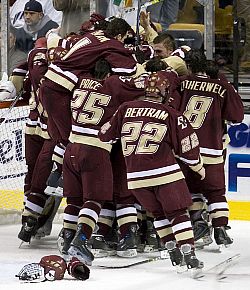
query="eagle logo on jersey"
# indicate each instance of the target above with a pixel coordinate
(182, 122)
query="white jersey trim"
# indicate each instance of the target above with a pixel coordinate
(84, 130)
(152, 172)
(211, 151)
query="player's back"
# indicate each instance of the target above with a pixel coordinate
(207, 103)
(37, 66)
(145, 135)
(94, 102)
(90, 48)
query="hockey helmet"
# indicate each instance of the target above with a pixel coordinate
(54, 267)
(56, 53)
(157, 85)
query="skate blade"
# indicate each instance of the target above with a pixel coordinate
(222, 248)
(164, 254)
(98, 253)
(130, 253)
(74, 252)
(196, 273)
(23, 243)
(201, 243)
(181, 269)
(42, 234)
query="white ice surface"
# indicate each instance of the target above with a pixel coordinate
(159, 275)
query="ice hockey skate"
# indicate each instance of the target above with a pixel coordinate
(52, 182)
(153, 242)
(221, 237)
(202, 234)
(44, 231)
(79, 248)
(99, 247)
(64, 240)
(127, 246)
(175, 254)
(28, 229)
(191, 260)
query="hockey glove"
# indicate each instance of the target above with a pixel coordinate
(78, 270)
(7, 89)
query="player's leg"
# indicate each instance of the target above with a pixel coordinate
(102, 241)
(94, 167)
(36, 200)
(214, 191)
(175, 199)
(57, 106)
(126, 212)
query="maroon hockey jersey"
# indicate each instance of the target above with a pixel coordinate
(94, 103)
(150, 132)
(207, 104)
(85, 53)
(37, 67)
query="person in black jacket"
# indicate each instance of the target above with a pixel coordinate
(36, 25)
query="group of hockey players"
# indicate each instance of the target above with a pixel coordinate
(132, 135)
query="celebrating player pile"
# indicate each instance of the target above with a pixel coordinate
(137, 149)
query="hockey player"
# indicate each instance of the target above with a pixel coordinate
(87, 171)
(149, 130)
(129, 242)
(165, 47)
(208, 103)
(63, 75)
(38, 151)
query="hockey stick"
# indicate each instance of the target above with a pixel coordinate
(149, 260)
(137, 32)
(219, 268)
(3, 118)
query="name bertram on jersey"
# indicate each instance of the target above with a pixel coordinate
(146, 112)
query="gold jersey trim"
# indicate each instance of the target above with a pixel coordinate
(60, 80)
(212, 160)
(30, 130)
(186, 235)
(57, 159)
(87, 140)
(37, 131)
(155, 181)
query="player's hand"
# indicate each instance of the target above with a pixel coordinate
(105, 127)
(145, 19)
(53, 31)
(202, 173)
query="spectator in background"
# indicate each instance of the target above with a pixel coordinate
(75, 12)
(16, 56)
(165, 12)
(36, 25)
(17, 8)
(243, 10)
